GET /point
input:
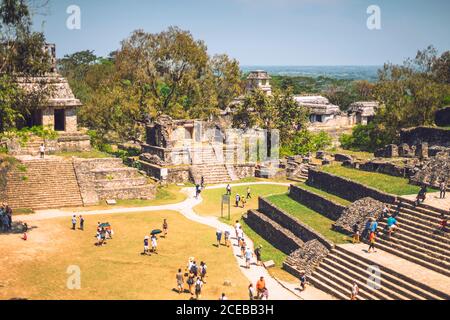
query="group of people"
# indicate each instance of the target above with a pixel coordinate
(104, 232)
(74, 222)
(240, 201)
(371, 228)
(154, 240)
(261, 292)
(5, 217)
(195, 278)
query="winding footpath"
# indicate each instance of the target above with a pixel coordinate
(278, 290)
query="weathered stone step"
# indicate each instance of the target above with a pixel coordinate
(352, 277)
(405, 227)
(409, 286)
(339, 284)
(414, 256)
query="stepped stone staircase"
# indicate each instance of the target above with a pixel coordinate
(341, 268)
(41, 184)
(109, 178)
(418, 238)
(210, 166)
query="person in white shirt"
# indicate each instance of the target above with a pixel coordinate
(237, 226)
(42, 151)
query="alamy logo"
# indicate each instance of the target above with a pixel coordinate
(374, 20)
(74, 279)
(73, 22)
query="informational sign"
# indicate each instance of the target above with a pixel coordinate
(226, 201)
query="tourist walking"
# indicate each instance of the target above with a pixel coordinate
(165, 228)
(372, 239)
(303, 281)
(355, 234)
(248, 257)
(251, 292)
(180, 281)
(240, 236)
(227, 238)
(249, 193)
(366, 231)
(74, 222)
(81, 223)
(146, 246)
(243, 248)
(391, 225)
(229, 189)
(355, 292)
(243, 202)
(238, 199)
(190, 282)
(258, 255)
(218, 237)
(422, 195)
(260, 286)
(237, 226)
(374, 226)
(444, 222)
(194, 269)
(442, 189)
(154, 244)
(202, 183)
(42, 150)
(198, 288)
(203, 271)
(197, 191)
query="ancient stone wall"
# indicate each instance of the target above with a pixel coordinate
(280, 237)
(244, 170)
(357, 214)
(345, 188)
(326, 207)
(433, 136)
(299, 229)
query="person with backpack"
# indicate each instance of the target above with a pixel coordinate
(194, 269)
(227, 238)
(238, 199)
(198, 288)
(218, 237)
(203, 270)
(190, 282)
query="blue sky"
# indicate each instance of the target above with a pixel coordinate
(261, 32)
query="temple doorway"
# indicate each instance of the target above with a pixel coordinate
(60, 120)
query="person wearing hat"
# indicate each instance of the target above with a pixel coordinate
(146, 247)
(258, 255)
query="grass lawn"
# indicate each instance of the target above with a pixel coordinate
(37, 268)
(382, 182)
(309, 217)
(324, 194)
(164, 195)
(211, 204)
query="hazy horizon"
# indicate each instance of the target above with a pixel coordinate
(261, 32)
